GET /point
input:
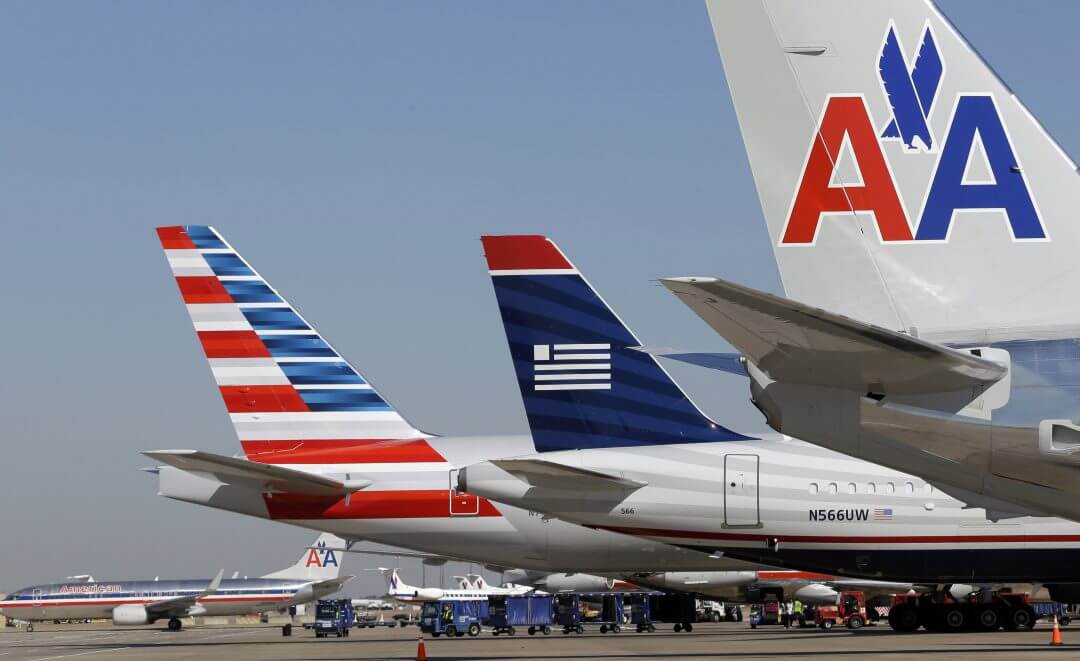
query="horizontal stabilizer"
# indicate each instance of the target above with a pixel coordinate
(722, 362)
(275, 478)
(540, 473)
(795, 343)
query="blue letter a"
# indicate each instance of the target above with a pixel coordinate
(1008, 191)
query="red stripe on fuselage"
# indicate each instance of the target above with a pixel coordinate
(512, 253)
(55, 603)
(389, 504)
(341, 451)
(843, 539)
(201, 289)
(174, 238)
(262, 399)
(232, 344)
(792, 576)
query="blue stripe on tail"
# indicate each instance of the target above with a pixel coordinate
(583, 383)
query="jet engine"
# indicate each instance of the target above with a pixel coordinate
(130, 614)
(575, 583)
(816, 594)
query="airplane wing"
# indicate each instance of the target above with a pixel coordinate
(796, 343)
(272, 477)
(428, 558)
(179, 606)
(540, 473)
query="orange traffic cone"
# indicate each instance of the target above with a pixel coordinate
(1055, 638)
(421, 653)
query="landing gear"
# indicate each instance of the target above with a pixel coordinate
(175, 624)
(939, 611)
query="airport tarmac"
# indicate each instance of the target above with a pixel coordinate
(725, 640)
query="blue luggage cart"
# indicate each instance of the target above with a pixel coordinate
(604, 609)
(505, 612)
(568, 612)
(640, 606)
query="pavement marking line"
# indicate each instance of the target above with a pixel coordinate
(65, 656)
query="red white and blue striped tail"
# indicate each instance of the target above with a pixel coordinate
(291, 397)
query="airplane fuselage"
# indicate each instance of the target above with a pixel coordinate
(787, 503)
(78, 601)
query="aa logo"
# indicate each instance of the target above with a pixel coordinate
(973, 168)
(321, 557)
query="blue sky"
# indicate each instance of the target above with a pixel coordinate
(353, 152)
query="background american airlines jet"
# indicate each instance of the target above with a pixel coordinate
(924, 224)
(315, 575)
(324, 450)
(624, 449)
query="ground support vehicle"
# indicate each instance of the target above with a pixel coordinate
(938, 611)
(850, 611)
(333, 617)
(453, 617)
(506, 612)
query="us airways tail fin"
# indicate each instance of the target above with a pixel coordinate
(903, 183)
(291, 397)
(582, 379)
(319, 562)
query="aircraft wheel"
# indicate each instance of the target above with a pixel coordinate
(175, 624)
(987, 617)
(903, 618)
(954, 619)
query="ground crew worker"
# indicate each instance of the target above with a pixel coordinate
(797, 611)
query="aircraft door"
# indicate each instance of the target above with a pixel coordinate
(461, 503)
(741, 501)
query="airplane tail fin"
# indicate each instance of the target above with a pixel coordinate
(291, 397)
(463, 583)
(583, 382)
(319, 562)
(902, 182)
(478, 582)
(394, 584)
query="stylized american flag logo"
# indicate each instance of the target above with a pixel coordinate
(572, 366)
(883, 514)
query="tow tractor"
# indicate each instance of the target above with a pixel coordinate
(850, 610)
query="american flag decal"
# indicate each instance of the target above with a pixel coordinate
(882, 514)
(572, 366)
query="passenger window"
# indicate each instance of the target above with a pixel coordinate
(813, 488)
(851, 488)
(870, 488)
(909, 488)
(832, 487)
(890, 489)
